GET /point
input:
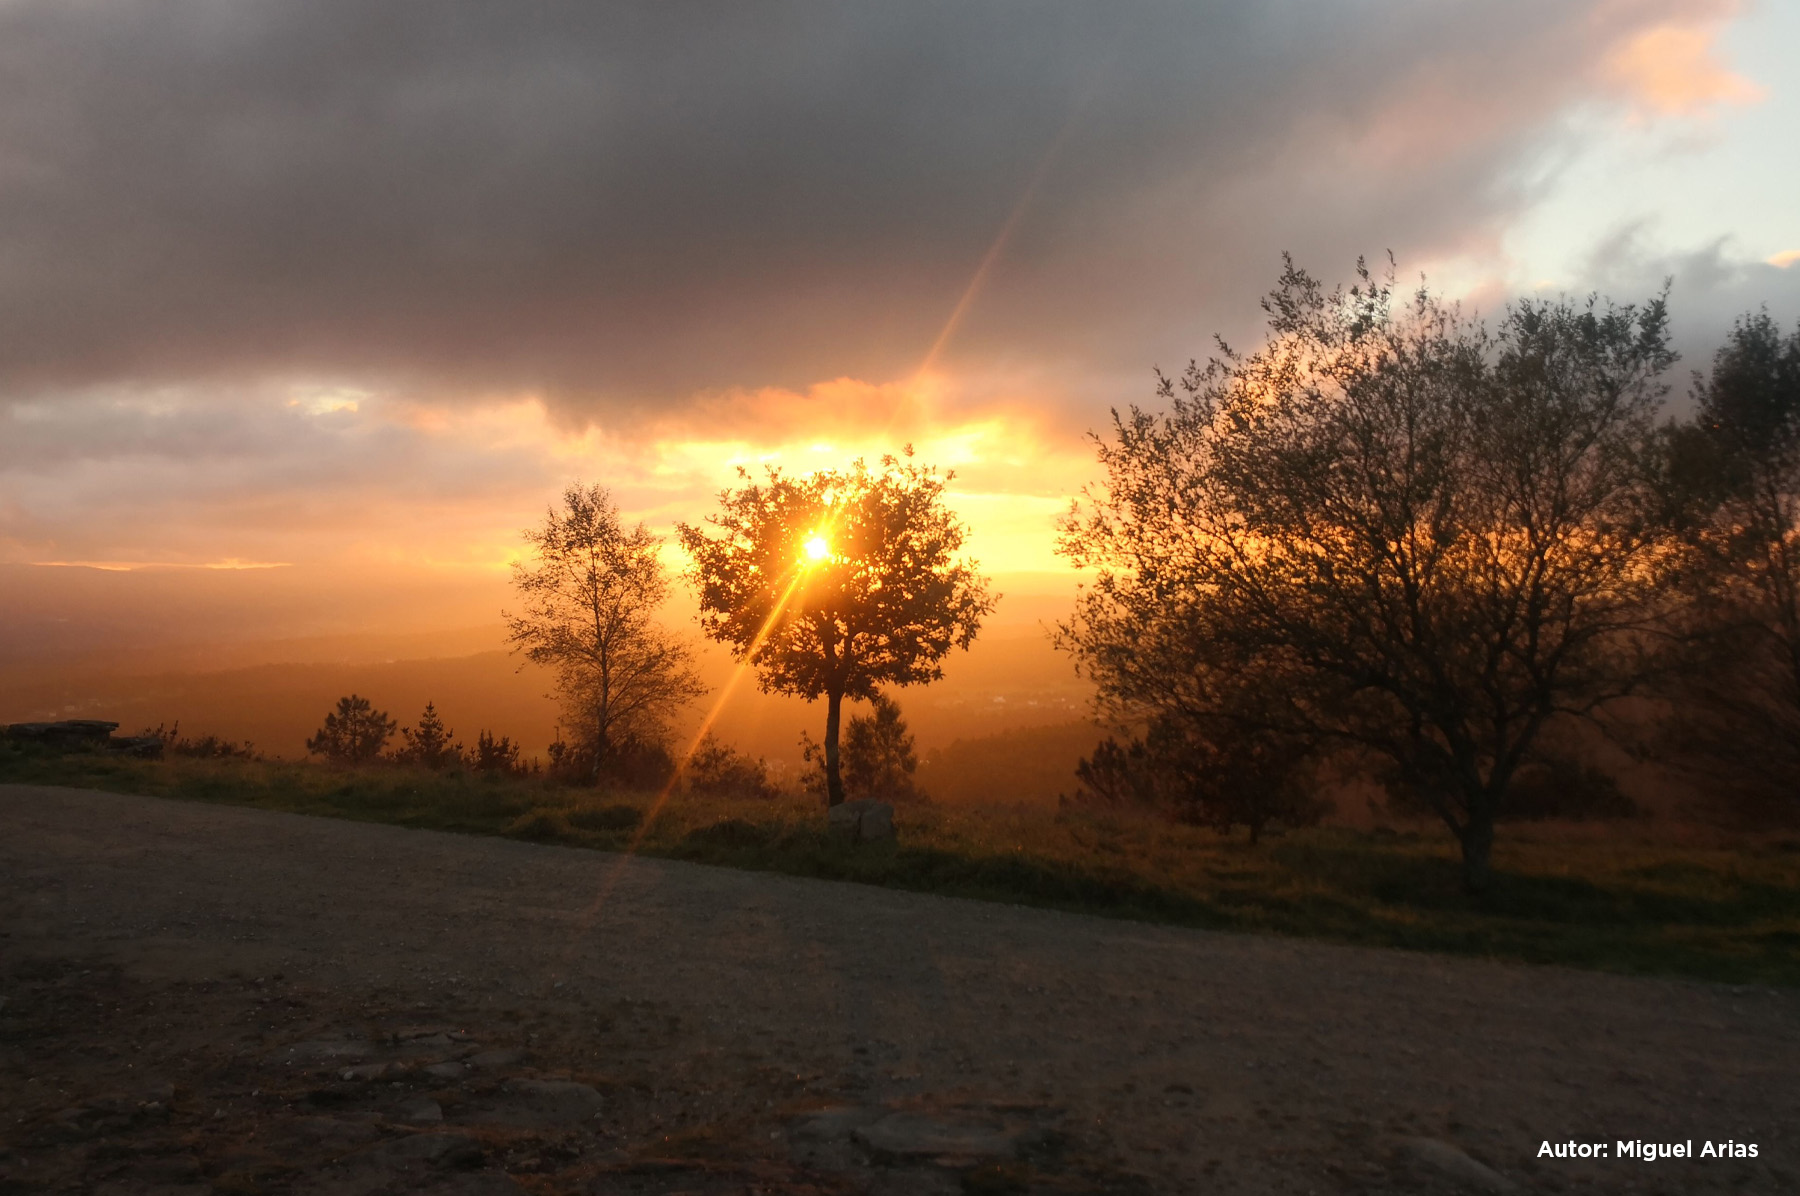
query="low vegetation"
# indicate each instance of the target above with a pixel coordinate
(1616, 896)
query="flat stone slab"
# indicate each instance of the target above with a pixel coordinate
(537, 1103)
(918, 1136)
(837, 1122)
(324, 1051)
(427, 1148)
(421, 1109)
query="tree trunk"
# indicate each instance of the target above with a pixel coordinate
(1478, 851)
(834, 781)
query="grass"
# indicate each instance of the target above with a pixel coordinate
(1614, 898)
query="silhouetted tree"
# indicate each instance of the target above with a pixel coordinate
(1734, 486)
(354, 733)
(429, 744)
(495, 756)
(1396, 531)
(836, 583)
(590, 603)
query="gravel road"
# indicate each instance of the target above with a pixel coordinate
(204, 998)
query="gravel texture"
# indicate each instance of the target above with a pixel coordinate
(205, 999)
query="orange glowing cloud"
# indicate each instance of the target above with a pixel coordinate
(1675, 70)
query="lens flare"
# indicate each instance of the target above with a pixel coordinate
(817, 548)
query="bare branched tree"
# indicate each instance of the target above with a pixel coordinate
(1388, 530)
(590, 598)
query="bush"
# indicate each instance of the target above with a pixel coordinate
(206, 747)
(611, 818)
(719, 770)
(1228, 779)
(496, 757)
(878, 760)
(1564, 787)
(636, 764)
(540, 823)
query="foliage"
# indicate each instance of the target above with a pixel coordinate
(717, 769)
(879, 597)
(355, 733)
(495, 756)
(1241, 778)
(633, 764)
(1733, 484)
(429, 744)
(1392, 530)
(205, 747)
(879, 760)
(589, 615)
(1725, 909)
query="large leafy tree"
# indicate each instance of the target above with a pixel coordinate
(833, 584)
(590, 596)
(1735, 485)
(1389, 529)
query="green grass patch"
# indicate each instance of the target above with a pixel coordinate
(1621, 901)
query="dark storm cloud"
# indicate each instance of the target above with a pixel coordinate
(614, 202)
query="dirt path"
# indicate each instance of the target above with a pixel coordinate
(210, 999)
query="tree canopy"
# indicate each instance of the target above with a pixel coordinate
(835, 583)
(1389, 530)
(1734, 482)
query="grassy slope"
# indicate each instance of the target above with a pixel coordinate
(1617, 901)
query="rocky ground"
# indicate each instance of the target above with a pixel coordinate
(202, 999)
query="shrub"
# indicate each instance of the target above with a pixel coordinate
(606, 818)
(719, 770)
(496, 757)
(878, 760)
(429, 743)
(1223, 780)
(206, 747)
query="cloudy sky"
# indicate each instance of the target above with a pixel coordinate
(358, 286)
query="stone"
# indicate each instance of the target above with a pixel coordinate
(838, 1121)
(364, 1072)
(449, 1149)
(1452, 1163)
(68, 733)
(491, 1060)
(861, 821)
(549, 1102)
(421, 1109)
(324, 1051)
(446, 1071)
(144, 747)
(900, 1136)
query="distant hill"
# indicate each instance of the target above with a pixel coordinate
(1007, 682)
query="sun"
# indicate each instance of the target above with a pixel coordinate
(817, 548)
